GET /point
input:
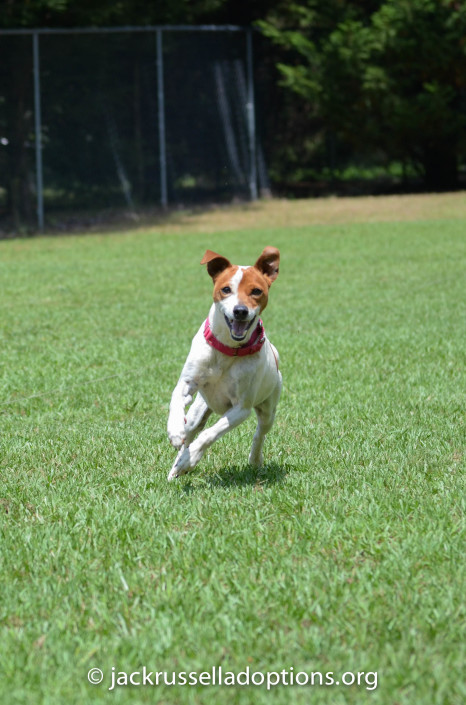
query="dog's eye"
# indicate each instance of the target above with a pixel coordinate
(226, 290)
(256, 292)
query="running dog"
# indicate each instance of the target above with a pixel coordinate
(232, 365)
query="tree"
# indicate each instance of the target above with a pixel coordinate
(99, 13)
(387, 75)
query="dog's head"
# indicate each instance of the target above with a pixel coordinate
(241, 293)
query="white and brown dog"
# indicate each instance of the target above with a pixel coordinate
(232, 365)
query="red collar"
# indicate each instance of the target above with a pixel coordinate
(253, 345)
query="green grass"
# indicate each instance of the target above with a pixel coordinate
(345, 553)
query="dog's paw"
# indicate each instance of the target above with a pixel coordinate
(177, 440)
(173, 474)
(185, 461)
(256, 459)
(176, 432)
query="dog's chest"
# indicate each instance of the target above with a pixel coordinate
(219, 385)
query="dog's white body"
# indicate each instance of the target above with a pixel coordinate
(228, 385)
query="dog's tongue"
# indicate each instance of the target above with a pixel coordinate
(239, 328)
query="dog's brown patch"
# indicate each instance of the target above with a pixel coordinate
(253, 281)
(222, 280)
(269, 263)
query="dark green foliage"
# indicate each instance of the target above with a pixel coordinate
(385, 76)
(69, 13)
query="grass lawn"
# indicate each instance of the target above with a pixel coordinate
(345, 553)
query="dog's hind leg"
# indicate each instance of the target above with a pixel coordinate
(264, 424)
(265, 418)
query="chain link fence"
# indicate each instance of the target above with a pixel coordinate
(126, 117)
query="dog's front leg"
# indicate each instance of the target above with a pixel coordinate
(196, 418)
(191, 455)
(182, 396)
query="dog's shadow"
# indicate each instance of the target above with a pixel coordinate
(241, 476)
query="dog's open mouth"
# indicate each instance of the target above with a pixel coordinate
(238, 329)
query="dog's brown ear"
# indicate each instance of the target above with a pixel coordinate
(269, 263)
(215, 263)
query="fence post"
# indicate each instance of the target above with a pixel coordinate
(251, 118)
(38, 132)
(161, 115)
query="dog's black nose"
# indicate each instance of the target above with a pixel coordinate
(240, 313)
